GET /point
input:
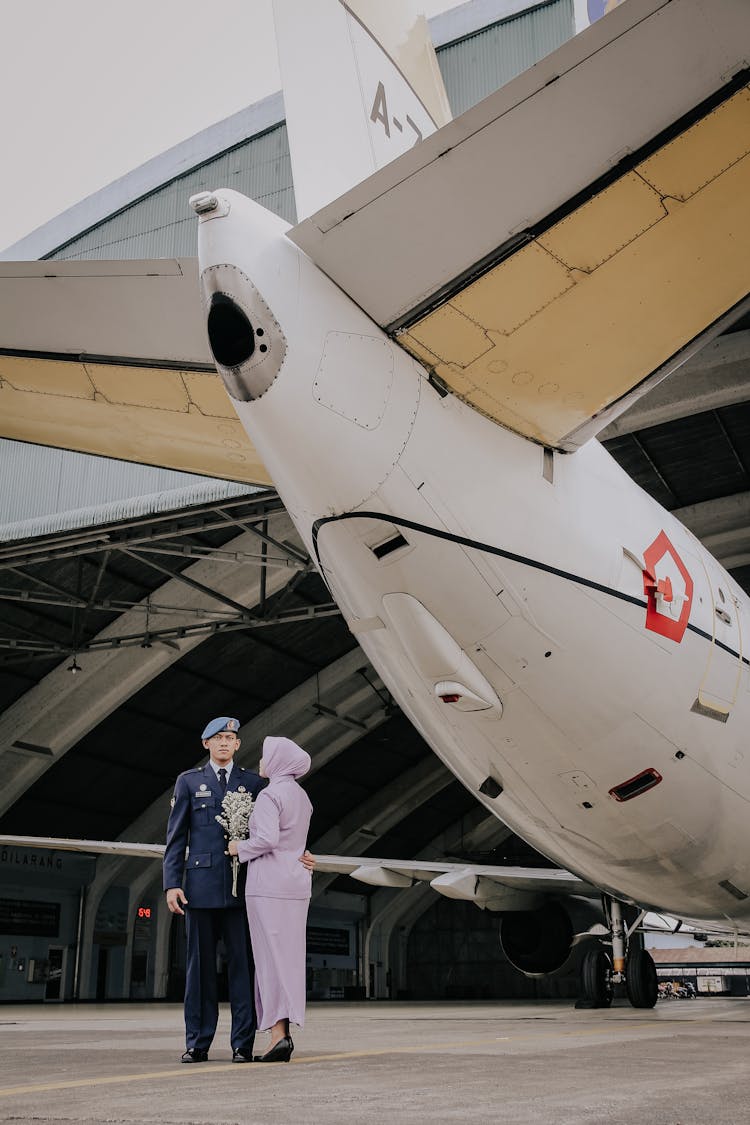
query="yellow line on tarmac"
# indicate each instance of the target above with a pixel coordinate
(76, 1083)
(179, 1072)
(40, 1088)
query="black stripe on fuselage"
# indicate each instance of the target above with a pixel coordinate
(524, 560)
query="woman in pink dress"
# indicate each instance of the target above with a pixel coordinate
(277, 893)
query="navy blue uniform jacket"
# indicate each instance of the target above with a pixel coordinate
(206, 875)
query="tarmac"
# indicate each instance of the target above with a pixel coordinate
(684, 1063)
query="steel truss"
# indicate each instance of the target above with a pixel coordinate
(148, 539)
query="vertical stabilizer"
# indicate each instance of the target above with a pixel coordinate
(361, 86)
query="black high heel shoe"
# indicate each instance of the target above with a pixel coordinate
(280, 1052)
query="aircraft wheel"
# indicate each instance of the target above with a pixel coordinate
(641, 983)
(596, 979)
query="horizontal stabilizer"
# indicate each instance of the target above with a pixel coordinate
(112, 358)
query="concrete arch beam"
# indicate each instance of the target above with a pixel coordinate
(374, 817)
(718, 375)
(723, 526)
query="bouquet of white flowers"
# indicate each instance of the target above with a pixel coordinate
(237, 809)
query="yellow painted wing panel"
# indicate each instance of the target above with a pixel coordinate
(605, 225)
(703, 152)
(575, 320)
(158, 416)
(532, 279)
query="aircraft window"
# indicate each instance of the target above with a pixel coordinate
(230, 333)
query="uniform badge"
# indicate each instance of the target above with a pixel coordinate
(241, 789)
(173, 802)
(232, 724)
(204, 787)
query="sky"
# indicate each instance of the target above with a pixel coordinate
(91, 89)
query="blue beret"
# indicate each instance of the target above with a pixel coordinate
(216, 726)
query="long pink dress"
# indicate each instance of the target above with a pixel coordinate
(277, 892)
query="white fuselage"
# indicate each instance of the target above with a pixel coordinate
(521, 580)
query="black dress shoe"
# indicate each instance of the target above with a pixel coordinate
(280, 1052)
(195, 1054)
(242, 1054)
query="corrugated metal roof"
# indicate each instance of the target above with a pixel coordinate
(39, 481)
(162, 224)
(151, 176)
(476, 66)
(128, 507)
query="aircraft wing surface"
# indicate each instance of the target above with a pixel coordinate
(564, 244)
(492, 887)
(488, 886)
(90, 847)
(112, 358)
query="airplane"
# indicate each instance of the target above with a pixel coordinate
(421, 364)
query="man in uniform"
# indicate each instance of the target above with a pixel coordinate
(212, 912)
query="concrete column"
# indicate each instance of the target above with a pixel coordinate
(135, 893)
(108, 870)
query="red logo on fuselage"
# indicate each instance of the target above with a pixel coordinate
(669, 588)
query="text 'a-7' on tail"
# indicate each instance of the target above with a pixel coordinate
(361, 86)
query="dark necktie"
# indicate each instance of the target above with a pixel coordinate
(223, 779)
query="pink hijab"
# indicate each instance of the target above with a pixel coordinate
(283, 758)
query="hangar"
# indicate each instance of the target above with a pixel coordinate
(136, 603)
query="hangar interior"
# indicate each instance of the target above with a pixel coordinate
(137, 603)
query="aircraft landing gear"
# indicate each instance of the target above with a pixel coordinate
(633, 966)
(641, 984)
(597, 987)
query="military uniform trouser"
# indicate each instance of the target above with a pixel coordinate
(204, 928)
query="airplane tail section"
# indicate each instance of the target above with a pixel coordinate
(361, 86)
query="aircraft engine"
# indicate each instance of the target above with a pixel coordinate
(543, 941)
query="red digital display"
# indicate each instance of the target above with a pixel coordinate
(144, 911)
